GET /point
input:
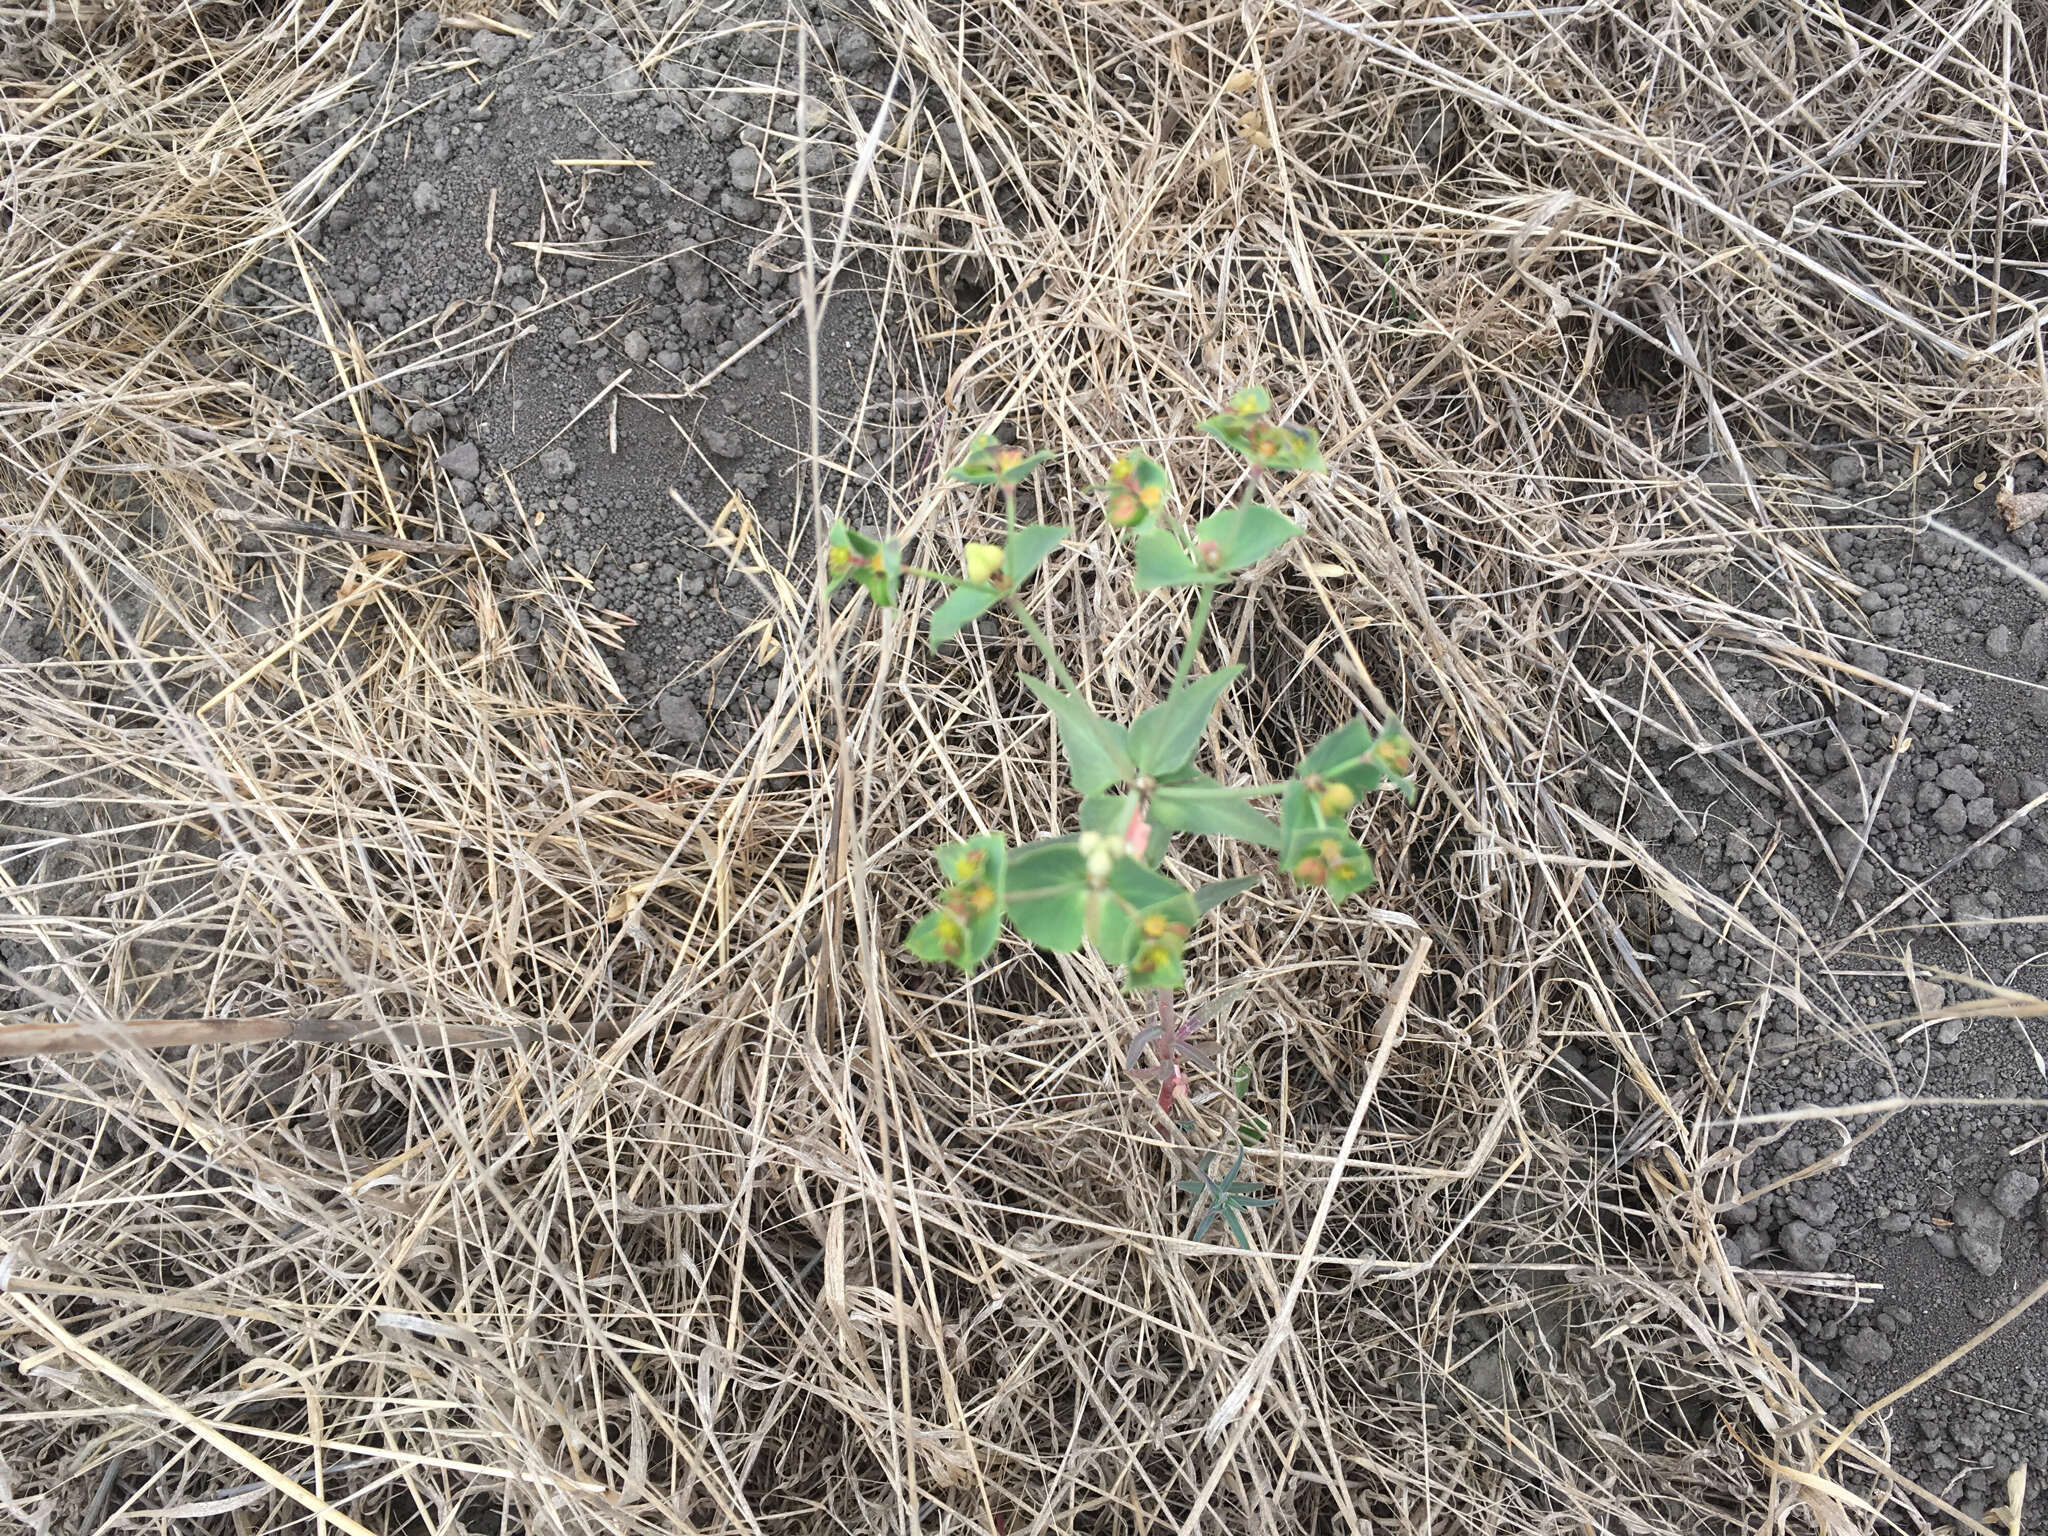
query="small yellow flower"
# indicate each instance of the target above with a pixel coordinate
(983, 561)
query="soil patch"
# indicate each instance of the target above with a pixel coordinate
(1865, 857)
(566, 264)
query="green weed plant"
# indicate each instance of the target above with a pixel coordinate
(1141, 781)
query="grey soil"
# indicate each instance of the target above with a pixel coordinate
(581, 303)
(1930, 812)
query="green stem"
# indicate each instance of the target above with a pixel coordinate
(1010, 510)
(1052, 657)
(951, 581)
(1199, 623)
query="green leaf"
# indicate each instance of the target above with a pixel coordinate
(1245, 534)
(1211, 896)
(1047, 894)
(1164, 738)
(1028, 548)
(1354, 756)
(1343, 746)
(1209, 809)
(1095, 748)
(1162, 562)
(1110, 815)
(962, 607)
(1252, 400)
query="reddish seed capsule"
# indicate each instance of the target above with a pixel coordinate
(1311, 871)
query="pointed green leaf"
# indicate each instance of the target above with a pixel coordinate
(1246, 534)
(1028, 548)
(1047, 894)
(1354, 756)
(1164, 738)
(1095, 748)
(1211, 896)
(1341, 747)
(1209, 809)
(962, 607)
(1162, 562)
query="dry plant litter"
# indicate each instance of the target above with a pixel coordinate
(740, 1221)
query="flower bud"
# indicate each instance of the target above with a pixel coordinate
(983, 561)
(1335, 799)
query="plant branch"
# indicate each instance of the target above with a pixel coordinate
(1196, 625)
(1059, 668)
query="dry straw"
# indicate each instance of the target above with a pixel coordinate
(741, 1222)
